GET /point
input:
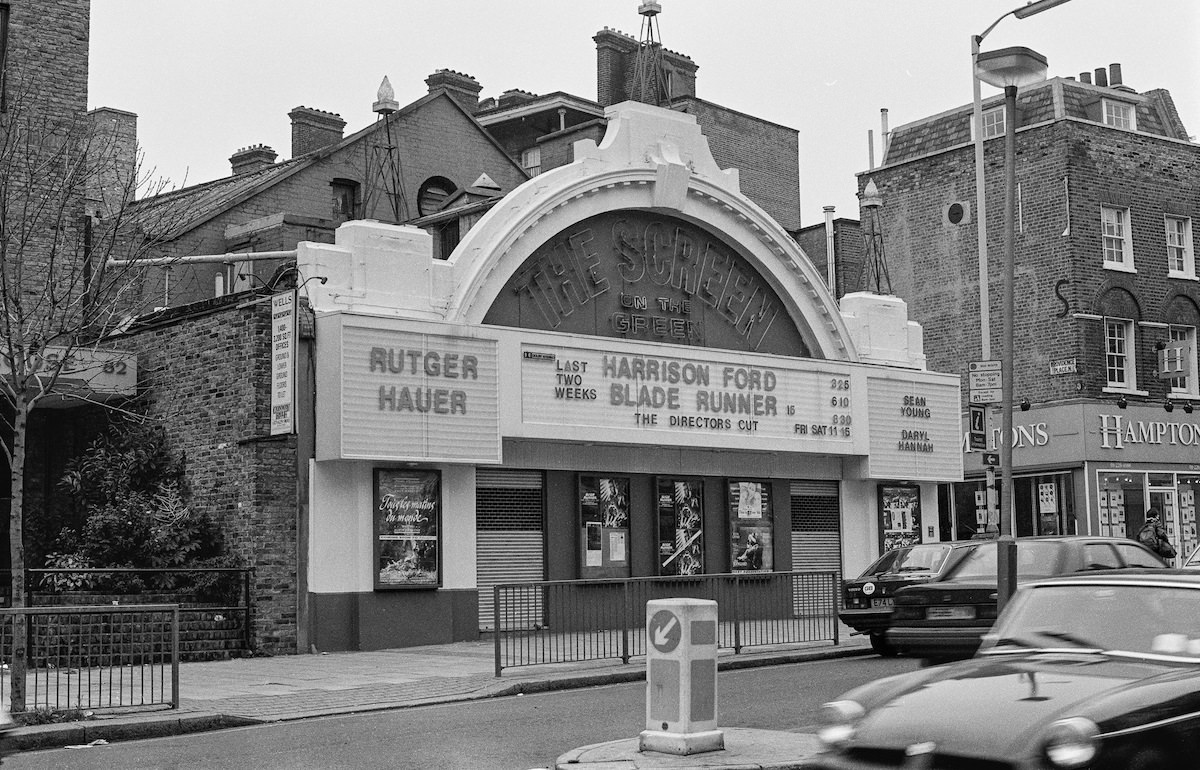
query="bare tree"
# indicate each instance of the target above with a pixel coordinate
(65, 190)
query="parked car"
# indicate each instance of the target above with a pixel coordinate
(867, 599)
(1097, 670)
(946, 619)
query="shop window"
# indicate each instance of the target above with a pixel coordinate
(1181, 261)
(1118, 246)
(1118, 354)
(604, 519)
(1119, 114)
(1122, 501)
(680, 505)
(1180, 356)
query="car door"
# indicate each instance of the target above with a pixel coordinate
(1134, 555)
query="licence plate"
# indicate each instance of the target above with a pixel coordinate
(950, 613)
(888, 602)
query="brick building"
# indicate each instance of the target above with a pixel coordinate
(1107, 297)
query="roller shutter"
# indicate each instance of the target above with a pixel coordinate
(816, 527)
(509, 538)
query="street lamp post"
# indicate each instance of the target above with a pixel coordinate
(1009, 68)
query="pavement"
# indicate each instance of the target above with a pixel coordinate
(246, 691)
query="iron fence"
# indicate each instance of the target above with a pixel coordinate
(561, 621)
(93, 658)
(215, 602)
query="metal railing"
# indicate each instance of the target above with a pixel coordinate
(94, 658)
(559, 621)
(233, 598)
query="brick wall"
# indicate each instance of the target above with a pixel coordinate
(1059, 269)
(208, 382)
(767, 155)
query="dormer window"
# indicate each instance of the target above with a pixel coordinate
(1119, 115)
(345, 199)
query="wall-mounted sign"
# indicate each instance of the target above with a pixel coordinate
(913, 430)
(809, 404)
(407, 519)
(87, 372)
(751, 526)
(680, 526)
(283, 363)
(396, 394)
(1063, 366)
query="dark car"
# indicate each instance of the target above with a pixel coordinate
(946, 619)
(1097, 671)
(867, 599)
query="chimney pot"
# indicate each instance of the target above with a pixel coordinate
(1085, 77)
(1114, 74)
(1101, 77)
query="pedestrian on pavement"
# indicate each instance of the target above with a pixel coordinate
(1154, 536)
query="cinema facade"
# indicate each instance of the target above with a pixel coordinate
(625, 368)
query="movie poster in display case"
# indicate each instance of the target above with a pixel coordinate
(604, 517)
(899, 515)
(680, 505)
(407, 524)
(751, 526)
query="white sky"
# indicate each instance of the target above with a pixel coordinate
(208, 78)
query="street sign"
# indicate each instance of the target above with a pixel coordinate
(978, 428)
(985, 381)
(991, 459)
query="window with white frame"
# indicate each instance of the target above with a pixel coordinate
(1118, 359)
(1180, 258)
(1182, 357)
(1119, 114)
(993, 122)
(1118, 248)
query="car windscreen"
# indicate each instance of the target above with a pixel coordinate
(1034, 559)
(921, 558)
(882, 564)
(1145, 618)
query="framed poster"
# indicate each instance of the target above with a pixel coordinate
(407, 528)
(751, 526)
(680, 506)
(900, 515)
(604, 517)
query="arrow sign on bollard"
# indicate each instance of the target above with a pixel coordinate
(664, 631)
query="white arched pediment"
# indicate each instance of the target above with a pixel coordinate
(655, 160)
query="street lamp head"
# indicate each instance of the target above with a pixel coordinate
(1031, 8)
(1014, 66)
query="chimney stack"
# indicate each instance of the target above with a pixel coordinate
(252, 158)
(1101, 77)
(314, 129)
(463, 89)
(115, 160)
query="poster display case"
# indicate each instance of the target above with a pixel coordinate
(407, 528)
(899, 515)
(751, 526)
(604, 518)
(680, 504)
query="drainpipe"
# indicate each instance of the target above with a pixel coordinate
(830, 267)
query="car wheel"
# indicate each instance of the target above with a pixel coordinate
(1150, 759)
(879, 644)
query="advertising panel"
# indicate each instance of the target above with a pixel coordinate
(900, 515)
(407, 519)
(604, 515)
(751, 526)
(680, 526)
(283, 363)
